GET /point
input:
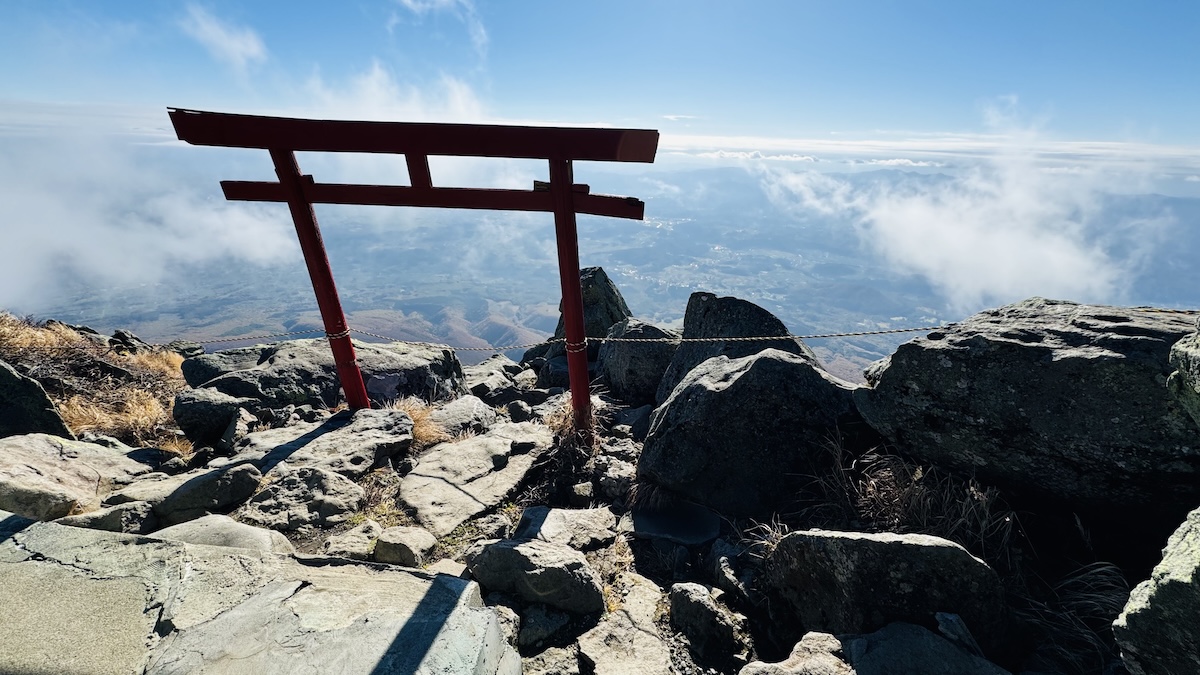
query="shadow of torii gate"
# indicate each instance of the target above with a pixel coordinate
(283, 137)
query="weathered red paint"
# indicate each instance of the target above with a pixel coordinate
(417, 141)
(338, 333)
(561, 180)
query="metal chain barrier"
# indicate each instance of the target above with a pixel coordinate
(592, 340)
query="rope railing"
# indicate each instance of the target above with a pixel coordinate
(497, 349)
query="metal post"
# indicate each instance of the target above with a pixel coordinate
(322, 279)
(561, 180)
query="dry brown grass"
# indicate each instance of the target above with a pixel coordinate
(426, 432)
(380, 505)
(882, 492)
(127, 396)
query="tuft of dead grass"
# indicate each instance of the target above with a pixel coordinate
(426, 432)
(381, 487)
(882, 492)
(127, 396)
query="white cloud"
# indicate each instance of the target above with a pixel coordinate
(237, 46)
(755, 155)
(896, 162)
(1193, 179)
(993, 233)
(678, 118)
(463, 10)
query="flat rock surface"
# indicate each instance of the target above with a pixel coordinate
(219, 530)
(82, 601)
(299, 372)
(1051, 399)
(349, 443)
(581, 529)
(454, 482)
(46, 477)
(627, 641)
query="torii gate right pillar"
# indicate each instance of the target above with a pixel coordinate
(566, 233)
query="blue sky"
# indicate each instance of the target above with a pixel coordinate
(1036, 108)
(1079, 70)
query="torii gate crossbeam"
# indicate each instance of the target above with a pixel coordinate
(560, 146)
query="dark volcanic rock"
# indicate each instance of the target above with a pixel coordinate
(852, 582)
(709, 316)
(1049, 399)
(1184, 382)
(633, 371)
(299, 372)
(736, 433)
(204, 414)
(603, 306)
(25, 408)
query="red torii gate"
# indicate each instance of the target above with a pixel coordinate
(283, 137)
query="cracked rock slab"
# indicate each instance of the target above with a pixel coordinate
(455, 482)
(350, 443)
(86, 601)
(47, 477)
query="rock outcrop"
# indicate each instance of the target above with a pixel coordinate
(849, 582)
(1157, 630)
(46, 477)
(1052, 399)
(25, 408)
(709, 316)
(632, 371)
(300, 372)
(454, 482)
(84, 601)
(735, 433)
(537, 571)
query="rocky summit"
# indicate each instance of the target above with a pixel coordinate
(983, 505)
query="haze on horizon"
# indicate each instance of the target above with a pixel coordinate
(1004, 132)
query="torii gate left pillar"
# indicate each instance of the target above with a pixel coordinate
(283, 137)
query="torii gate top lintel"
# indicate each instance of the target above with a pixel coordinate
(417, 141)
(420, 138)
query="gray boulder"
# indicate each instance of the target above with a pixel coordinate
(492, 380)
(457, 481)
(815, 654)
(299, 372)
(187, 496)
(303, 496)
(1184, 381)
(632, 371)
(903, 648)
(85, 601)
(350, 443)
(1157, 630)
(356, 543)
(220, 530)
(709, 316)
(851, 582)
(581, 529)
(553, 661)
(204, 414)
(47, 477)
(715, 634)
(468, 413)
(408, 546)
(537, 571)
(25, 408)
(735, 433)
(130, 518)
(627, 640)
(1047, 399)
